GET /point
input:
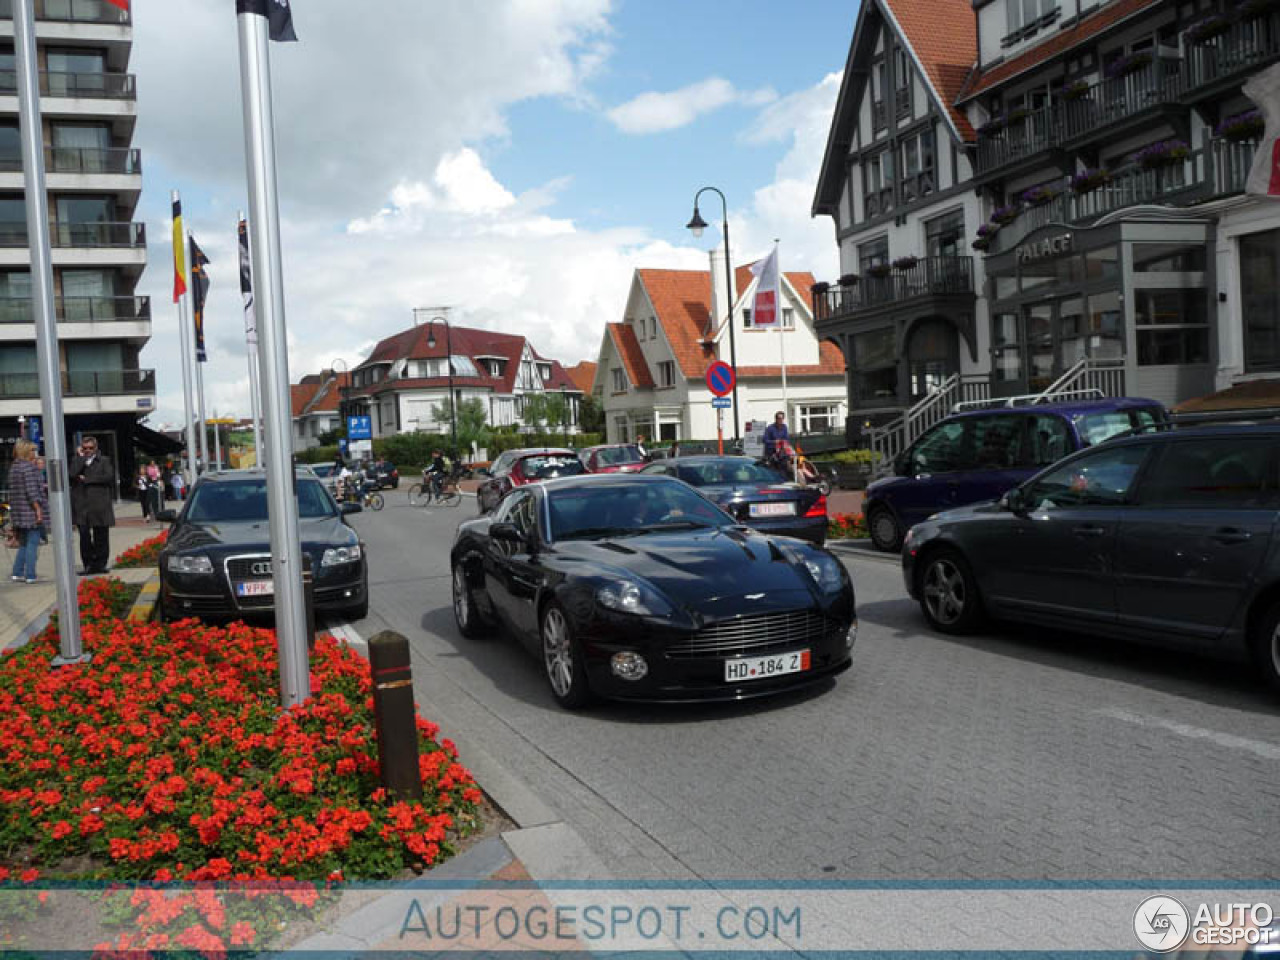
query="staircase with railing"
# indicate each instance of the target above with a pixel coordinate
(887, 441)
(1088, 377)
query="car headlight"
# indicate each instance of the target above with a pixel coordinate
(190, 563)
(823, 569)
(627, 596)
(336, 555)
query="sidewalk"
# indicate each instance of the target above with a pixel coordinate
(23, 606)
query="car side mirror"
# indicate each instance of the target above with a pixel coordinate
(1014, 501)
(167, 516)
(349, 507)
(902, 464)
(506, 532)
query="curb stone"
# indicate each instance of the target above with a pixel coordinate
(144, 607)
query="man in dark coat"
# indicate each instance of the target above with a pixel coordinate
(92, 477)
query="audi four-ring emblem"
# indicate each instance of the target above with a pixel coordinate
(261, 569)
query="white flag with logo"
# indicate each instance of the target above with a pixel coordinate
(764, 311)
(1263, 88)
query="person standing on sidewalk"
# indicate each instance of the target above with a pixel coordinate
(27, 501)
(91, 476)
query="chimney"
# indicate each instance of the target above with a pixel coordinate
(720, 309)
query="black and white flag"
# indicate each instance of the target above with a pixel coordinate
(246, 287)
(277, 12)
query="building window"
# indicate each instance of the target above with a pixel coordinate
(788, 319)
(1172, 327)
(1027, 17)
(873, 253)
(1006, 348)
(1260, 293)
(878, 113)
(621, 432)
(619, 380)
(819, 417)
(1168, 258)
(653, 328)
(666, 373)
(944, 236)
(875, 375)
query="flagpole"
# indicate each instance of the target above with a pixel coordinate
(217, 445)
(184, 336)
(70, 650)
(782, 346)
(203, 438)
(264, 221)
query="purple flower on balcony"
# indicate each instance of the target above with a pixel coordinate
(1207, 28)
(988, 230)
(1162, 153)
(1006, 214)
(849, 280)
(1123, 66)
(983, 243)
(1242, 126)
(1086, 181)
(1038, 196)
(992, 126)
(879, 270)
(905, 263)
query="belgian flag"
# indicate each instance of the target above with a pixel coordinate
(179, 247)
(277, 12)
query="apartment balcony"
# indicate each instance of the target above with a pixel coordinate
(79, 245)
(1168, 85)
(100, 391)
(72, 169)
(72, 11)
(95, 22)
(1216, 170)
(80, 318)
(941, 278)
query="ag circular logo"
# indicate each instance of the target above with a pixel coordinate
(1161, 923)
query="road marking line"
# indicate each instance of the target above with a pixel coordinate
(1260, 748)
(347, 634)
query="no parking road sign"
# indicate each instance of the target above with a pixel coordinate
(721, 378)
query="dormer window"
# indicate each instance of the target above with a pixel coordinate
(1029, 17)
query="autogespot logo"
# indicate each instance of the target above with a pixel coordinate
(1161, 923)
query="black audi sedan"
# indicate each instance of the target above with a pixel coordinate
(756, 494)
(637, 587)
(216, 562)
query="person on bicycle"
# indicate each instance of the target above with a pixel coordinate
(434, 475)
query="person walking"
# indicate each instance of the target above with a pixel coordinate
(142, 484)
(179, 485)
(157, 487)
(29, 508)
(91, 476)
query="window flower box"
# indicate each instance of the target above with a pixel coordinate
(992, 126)
(1123, 66)
(1242, 126)
(819, 288)
(905, 263)
(1005, 214)
(1204, 30)
(849, 280)
(1039, 196)
(1087, 181)
(983, 244)
(1163, 153)
(879, 270)
(1073, 91)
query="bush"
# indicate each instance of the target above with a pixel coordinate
(856, 456)
(847, 526)
(145, 554)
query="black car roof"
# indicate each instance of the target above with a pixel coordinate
(255, 473)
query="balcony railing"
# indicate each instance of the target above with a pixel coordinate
(1216, 170)
(14, 234)
(1242, 48)
(122, 160)
(78, 383)
(930, 276)
(80, 309)
(72, 11)
(94, 86)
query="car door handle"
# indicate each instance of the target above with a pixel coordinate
(1230, 535)
(1088, 530)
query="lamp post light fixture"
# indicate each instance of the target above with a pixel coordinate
(696, 225)
(448, 365)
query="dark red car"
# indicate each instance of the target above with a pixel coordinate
(515, 468)
(612, 458)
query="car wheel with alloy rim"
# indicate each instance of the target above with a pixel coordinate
(885, 531)
(1265, 646)
(562, 660)
(949, 594)
(465, 610)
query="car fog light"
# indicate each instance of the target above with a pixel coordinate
(629, 665)
(851, 636)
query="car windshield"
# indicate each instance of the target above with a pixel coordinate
(543, 466)
(712, 472)
(245, 501)
(611, 510)
(616, 455)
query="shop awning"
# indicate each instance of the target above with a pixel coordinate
(154, 443)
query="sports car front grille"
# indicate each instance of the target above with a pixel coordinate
(757, 633)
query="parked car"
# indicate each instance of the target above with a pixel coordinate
(515, 468)
(1168, 537)
(979, 454)
(612, 458)
(386, 474)
(216, 562)
(753, 493)
(638, 587)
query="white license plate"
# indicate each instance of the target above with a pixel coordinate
(760, 668)
(255, 588)
(785, 509)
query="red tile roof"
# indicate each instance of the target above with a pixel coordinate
(944, 36)
(1058, 42)
(330, 393)
(583, 375)
(830, 364)
(624, 339)
(300, 395)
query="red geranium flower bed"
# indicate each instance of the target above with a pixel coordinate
(145, 554)
(847, 525)
(167, 758)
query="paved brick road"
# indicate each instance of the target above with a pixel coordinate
(1021, 755)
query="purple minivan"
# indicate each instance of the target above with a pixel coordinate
(979, 454)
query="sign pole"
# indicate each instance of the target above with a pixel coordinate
(268, 269)
(720, 429)
(49, 375)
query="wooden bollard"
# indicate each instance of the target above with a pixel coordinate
(397, 728)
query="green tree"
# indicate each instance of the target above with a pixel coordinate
(545, 411)
(591, 414)
(473, 423)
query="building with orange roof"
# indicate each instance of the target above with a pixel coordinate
(317, 406)
(1079, 225)
(652, 365)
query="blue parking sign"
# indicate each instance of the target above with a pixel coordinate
(34, 432)
(359, 428)
(342, 445)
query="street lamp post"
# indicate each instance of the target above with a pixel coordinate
(448, 365)
(342, 392)
(564, 413)
(696, 225)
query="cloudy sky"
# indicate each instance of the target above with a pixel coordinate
(513, 159)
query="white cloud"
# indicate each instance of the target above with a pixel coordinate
(654, 112)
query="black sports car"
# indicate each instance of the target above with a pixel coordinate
(216, 562)
(638, 587)
(755, 493)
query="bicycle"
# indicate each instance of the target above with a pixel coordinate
(372, 499)
(449, 495)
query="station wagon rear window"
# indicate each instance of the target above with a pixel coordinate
(1097, 427)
